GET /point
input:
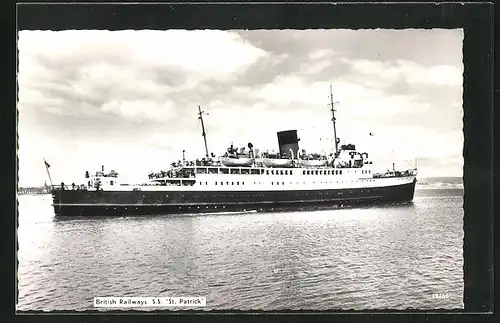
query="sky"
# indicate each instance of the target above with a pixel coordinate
(129, 99)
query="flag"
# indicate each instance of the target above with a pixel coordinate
(46, 164)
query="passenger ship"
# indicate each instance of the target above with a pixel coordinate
(243, 179)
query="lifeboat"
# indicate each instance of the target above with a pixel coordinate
(313, 162)
(237, 162)
(276, 162)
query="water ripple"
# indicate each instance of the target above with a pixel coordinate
(372, 258)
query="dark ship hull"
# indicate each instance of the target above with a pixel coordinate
(122, 203)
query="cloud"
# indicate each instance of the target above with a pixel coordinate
(406, 70)
(145, 109)
(321, 53)
(316, 67)
(129, 99)
(210, 53)
(96, 69)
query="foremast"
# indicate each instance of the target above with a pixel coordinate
(200, 116)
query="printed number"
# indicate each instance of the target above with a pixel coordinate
(440, 296)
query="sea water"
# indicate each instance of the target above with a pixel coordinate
(391, 257)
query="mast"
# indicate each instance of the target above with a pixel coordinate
(333, 119)
(200, 116)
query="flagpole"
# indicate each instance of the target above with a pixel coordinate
(48, 172)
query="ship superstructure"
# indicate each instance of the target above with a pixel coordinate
(243, 179)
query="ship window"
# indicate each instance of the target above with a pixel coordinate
(340, 172)
(255, 171)
(237, 183)
(227, 183)
(235, 171)
(282, 183)
(111, 182)
(286, 172)
(215, 183)
(201, 183)
(221, 183)
(232, 183)
(281, 172)
(242, 183)
(201, 170)
(272, 172)
(308, 172)
(277, 183)
(303, 172)
(291, 172)
(316, 172)
(206, 183)
(272, 183)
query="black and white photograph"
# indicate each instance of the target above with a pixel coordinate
(174, 170)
